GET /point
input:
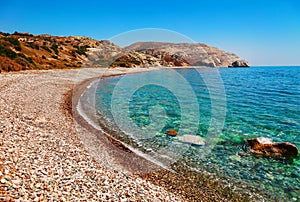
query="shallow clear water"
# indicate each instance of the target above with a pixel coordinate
(224, 106)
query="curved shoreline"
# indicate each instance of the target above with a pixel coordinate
(189, 184)
(44, 158)
(124, 155)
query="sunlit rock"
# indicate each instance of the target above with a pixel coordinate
(265, 147)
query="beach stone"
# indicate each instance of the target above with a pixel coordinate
(16, 182)
(40, 119)
(3, 181)
(265, 146)
(192, 139)
(171, 133)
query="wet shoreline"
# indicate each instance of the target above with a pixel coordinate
(190, 184)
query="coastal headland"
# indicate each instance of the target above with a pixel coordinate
(24, 51)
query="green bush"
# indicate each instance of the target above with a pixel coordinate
(46, 48)
(15, 43)
(29, 59)
(54, 56)
(7, 52)
(55, 48)
(23, 61)
(21, 34)
(73, 53)
(81, 50)
(4, 34)
(33, 45)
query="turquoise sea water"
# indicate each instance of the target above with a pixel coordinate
(224, 107)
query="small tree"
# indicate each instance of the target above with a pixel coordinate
(55, 48)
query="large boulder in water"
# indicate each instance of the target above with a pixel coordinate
(239, 63)
(265, 147)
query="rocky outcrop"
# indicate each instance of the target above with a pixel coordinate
(103, 55)
(134, 59)
(167, 59)
(265, 147)
(150, 57)
(239, 63)
(195, 54)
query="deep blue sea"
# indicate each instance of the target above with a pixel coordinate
(223, 106)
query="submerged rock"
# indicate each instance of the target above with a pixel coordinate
(171, 133)
(265, 146)
(192, 139)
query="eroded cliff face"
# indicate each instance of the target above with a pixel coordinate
(149, 57)
(194, 54)
(24, 51)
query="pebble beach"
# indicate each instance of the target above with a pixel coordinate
(41, 155)
(49, 152)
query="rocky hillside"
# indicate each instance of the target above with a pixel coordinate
(194, 54)
(24, 51)
(148, 58)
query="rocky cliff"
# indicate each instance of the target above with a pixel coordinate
(149, 57)
(193, 54)
(24, 51)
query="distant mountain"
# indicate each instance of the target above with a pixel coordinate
(24, 51)
(194, 54)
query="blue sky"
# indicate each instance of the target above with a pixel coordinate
(265, 32)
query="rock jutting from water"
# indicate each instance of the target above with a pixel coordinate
(265, 147)
(239, 63)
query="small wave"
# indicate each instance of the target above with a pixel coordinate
(92, 83)
(85, 116)
(147, 157)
